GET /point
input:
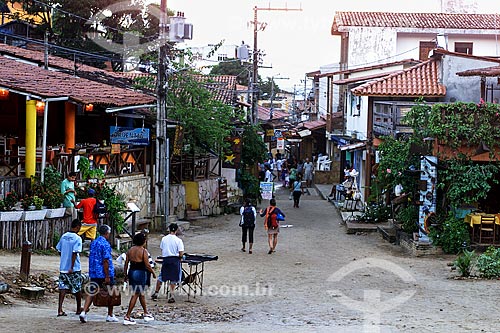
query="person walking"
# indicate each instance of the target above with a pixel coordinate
(297, 191)
(136, 270)
(308, 172)
(101, 270)
(271, 224)
(269, 177)
(68, 190)
(70, 275)
(89, 220)
(248, 216)
(172, 250)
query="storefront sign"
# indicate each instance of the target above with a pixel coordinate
(129, 135)
(266, 189)
(281, 143)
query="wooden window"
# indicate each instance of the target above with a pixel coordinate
(465, 48)
(425, 48)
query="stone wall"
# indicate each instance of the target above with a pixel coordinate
(136, 189)
(178, 200)
(415, 248)
(326, 177)
(208, 191)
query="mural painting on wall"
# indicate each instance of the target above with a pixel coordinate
(232, 155)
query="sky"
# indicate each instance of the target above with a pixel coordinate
(294, 42)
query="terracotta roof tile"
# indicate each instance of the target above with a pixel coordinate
(314, 124)
(419, 80)
(415, 20)
(34, 80)
(263, 114)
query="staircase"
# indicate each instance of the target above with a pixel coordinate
(194, 215)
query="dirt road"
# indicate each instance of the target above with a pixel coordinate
(319, 280)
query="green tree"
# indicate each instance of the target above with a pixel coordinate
(253, 151)
(207, 122)
(267, 87)
(233, 67)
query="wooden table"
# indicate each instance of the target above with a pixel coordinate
(474, 220)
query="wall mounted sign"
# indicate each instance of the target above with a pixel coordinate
(129, 135)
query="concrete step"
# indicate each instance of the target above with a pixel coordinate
(387, 233)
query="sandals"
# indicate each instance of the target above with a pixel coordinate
(62, 314)
(154, 297)
(148, 317)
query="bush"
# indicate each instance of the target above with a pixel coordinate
(465, 262)
(408, 216)
(375, 212)
(452, 235)
(488, 263)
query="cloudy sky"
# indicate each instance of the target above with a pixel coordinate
(295, 42)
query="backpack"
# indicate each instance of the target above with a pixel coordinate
(99, 209)
(272, 219)
(248, 216)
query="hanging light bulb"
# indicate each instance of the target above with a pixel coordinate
(40, 108)
(4, 94)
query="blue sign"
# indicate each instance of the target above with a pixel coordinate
(129, 135)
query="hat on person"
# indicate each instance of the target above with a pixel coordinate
(91, 191)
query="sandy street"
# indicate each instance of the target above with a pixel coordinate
(319, 280)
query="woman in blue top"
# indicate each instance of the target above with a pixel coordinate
(297, 191)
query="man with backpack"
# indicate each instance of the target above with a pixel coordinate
(247, 224)
(271, 223)
(89, 220)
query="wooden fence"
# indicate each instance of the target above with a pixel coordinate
(40, 233)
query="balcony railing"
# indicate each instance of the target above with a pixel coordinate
(128, 161)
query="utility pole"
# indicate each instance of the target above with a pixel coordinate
(271, 109)
(305, 95)
(255, 55)
(162, 143)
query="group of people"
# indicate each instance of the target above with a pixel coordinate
(137, 268)
(89, 218)
(271, 224)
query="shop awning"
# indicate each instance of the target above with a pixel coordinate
(353, 146)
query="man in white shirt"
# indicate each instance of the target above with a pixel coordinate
(308, 172)
(172, 250)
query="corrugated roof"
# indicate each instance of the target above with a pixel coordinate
(419, 80)
(362, 78)
(488, 71)
(372, 67)
(34, 80)
(415, 20)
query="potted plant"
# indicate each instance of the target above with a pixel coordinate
(6, 207)
(33, 206)
(50, 191)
